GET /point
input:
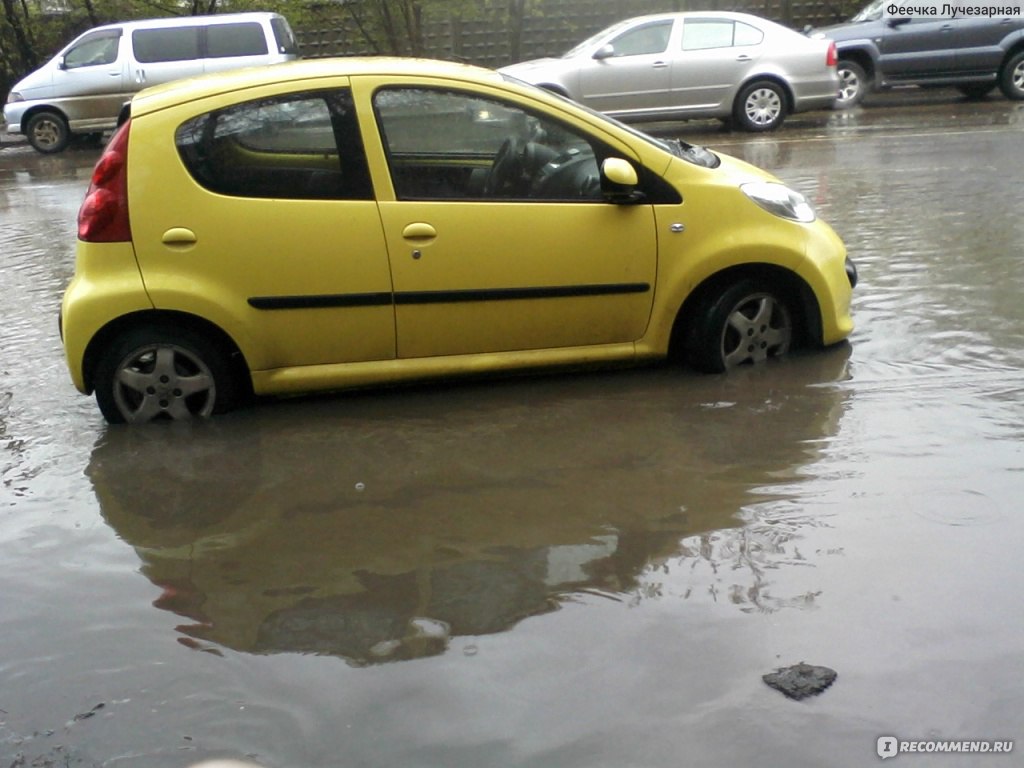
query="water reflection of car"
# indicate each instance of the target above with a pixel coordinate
(974, 53)
(732, 66)
(420, 220)
(339, 527)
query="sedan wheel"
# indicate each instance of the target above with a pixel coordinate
(153, 374)
(761, 106)
(852, 84)
(745, 324)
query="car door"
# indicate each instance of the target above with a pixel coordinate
(631, 72)
(91, 75)
(163, 54)
(918, 48)
(979, 49)
(268, 227)
(715, 56)
(498, 234)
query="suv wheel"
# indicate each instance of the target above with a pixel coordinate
(853, 84)
(1011, 79)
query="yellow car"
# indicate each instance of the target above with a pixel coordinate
(335, 223)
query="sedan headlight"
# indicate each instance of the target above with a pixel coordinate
(14, 96)
(780, 200)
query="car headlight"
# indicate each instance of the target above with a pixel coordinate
(780, 200)
(14, 96)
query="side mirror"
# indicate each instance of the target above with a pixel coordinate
(619, 181)
(604, 52)
(898, 21)
(62, 63)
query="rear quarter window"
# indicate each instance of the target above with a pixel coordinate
(246, 39)
(301, 146)
(171, 44)
(286, 42)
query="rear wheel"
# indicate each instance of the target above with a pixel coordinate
(760, 106)
(746, 323)
(1011, 79)
(47, 132)
(156, 372)
(853, 84)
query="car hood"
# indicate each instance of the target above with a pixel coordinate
(840, 32)
(534, 65)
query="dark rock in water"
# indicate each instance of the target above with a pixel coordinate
(801, 680)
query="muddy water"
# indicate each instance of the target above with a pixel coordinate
(589, 570)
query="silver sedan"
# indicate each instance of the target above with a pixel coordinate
(678, 66)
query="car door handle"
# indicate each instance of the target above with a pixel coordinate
(419, 232)
(743, 57)
(179, 237)
(659, 65)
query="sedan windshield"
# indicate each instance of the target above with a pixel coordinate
(689, 152)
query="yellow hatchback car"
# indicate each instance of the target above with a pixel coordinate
(334, 223)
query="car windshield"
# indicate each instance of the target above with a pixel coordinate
(689, 152)
(590, 41)
(871, 12)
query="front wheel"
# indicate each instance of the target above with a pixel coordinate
(853, 84)
(744, 324)
(761, 106)
(1011, 79)
(47, 132)
(154, 372)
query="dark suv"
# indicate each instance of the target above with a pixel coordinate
(973, 53)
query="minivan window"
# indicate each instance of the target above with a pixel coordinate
(99, 48)
(171, 44)
(300, 146)
(245, 39)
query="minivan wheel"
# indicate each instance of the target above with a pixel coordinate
(746, 323)
(154, 372)
(1011, 79)
(852, 84)
(47, 132)
(760, 106)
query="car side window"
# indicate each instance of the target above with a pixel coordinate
(244, 39)
(699, 35)
(170, 44)
(450, 145)
(304, 146)
(646, 39)
(94, 50)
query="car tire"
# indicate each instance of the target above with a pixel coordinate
(156, 372)
(47, 132)
(760, 106)
(1011, 79)
(748, 322)
(853, 84)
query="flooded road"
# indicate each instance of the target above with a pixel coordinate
(575, 571)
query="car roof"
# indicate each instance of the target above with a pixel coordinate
(180, 91)
(185, 21)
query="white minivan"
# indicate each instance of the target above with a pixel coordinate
(82, 89)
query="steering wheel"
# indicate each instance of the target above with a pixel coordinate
(506, 169)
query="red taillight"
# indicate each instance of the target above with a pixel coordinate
(831, 58)
(103, 217)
